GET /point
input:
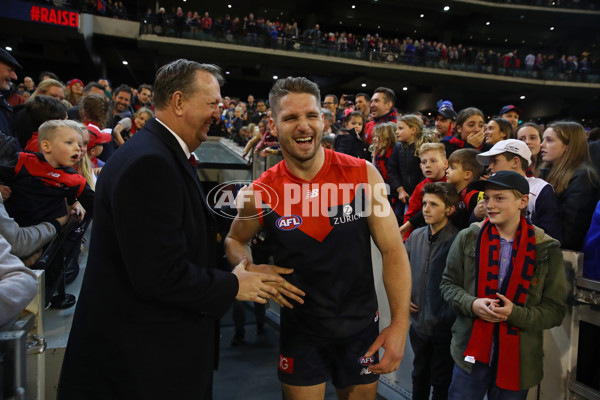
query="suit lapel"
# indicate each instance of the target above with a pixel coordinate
(163, 134)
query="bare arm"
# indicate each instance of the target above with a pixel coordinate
(237, 247)
(396, 276)
(117, 134)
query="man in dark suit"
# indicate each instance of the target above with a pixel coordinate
(146, 325)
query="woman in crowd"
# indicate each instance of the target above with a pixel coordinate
(531, 134)
(496, 130)
(74, 91)
(468, 132)
(50, 87)
(569, 170)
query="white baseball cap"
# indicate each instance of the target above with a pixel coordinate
(515, 146)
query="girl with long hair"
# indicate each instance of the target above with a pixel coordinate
(567, 167)
(531, 134)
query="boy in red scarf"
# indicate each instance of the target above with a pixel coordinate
(505, 294)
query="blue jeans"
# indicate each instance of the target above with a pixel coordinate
(481, 381)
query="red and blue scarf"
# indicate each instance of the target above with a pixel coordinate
(515, 288)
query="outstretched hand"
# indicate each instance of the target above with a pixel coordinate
(284, 288)
(254, 286)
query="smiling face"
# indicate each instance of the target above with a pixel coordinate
(502, 206)
(493, 134)
(199, 108)
(141, 120)
(7, 74)
(299, 126)
(435, 210)
(122, 101)
(63, 149)
(552, 148)
(531, 137)
(379, 105)
(473, 125)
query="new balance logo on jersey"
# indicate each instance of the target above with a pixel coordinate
(311, 194)
(288, 222)
(365, 371)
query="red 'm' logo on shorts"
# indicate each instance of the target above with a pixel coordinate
(286, 364)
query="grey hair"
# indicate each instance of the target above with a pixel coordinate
(328, 115)
(47, 129)
(180, 75)
(283, 87)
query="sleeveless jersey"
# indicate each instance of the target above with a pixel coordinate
(319, 228)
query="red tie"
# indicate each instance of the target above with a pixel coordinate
(193, 161)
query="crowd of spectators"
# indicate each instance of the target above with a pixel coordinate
(54, 144)
(258, 31)
(102, 118)
(579, 4)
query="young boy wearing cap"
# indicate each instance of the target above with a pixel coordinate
(40, 182)
(430, 316)
(505, 295)
(511, 114)
(95, 147)
(542, 209)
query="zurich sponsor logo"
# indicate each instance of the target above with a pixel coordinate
(288, 222)
(366, 361)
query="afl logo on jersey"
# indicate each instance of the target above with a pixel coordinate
(288, 222)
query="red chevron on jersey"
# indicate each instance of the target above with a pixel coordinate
(316, 206)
